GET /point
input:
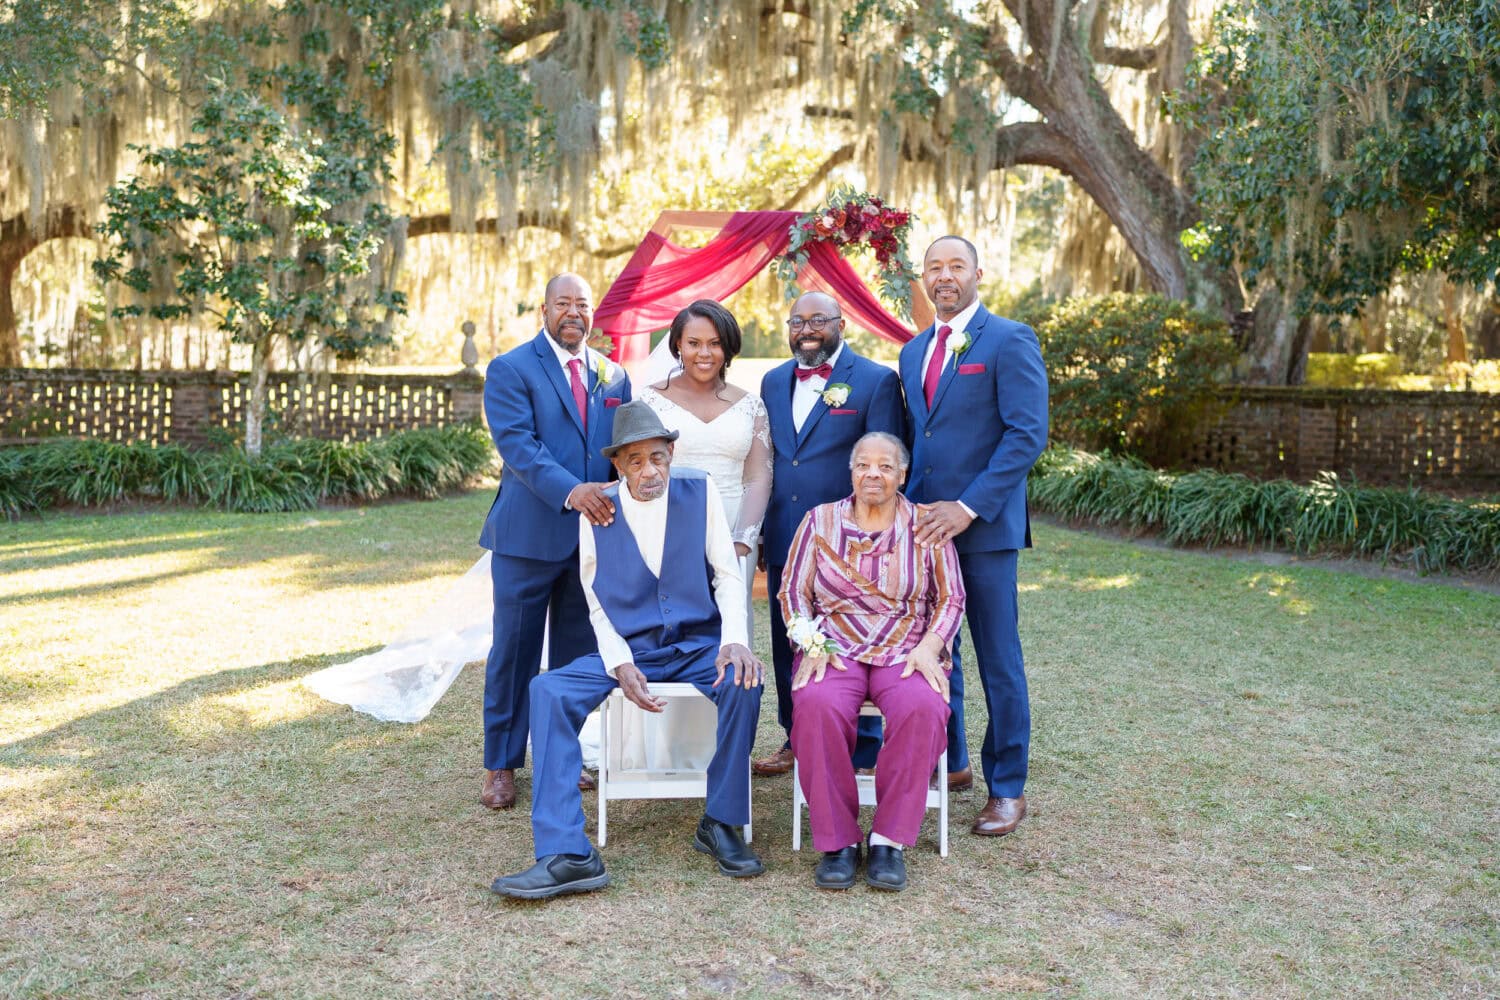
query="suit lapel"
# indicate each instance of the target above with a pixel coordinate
(950, 372)
(911, 373)
(839, 374)
(779, 408)
(548, 360)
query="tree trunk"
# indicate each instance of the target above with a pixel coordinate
(1458, 348)
(255, 406)
(16, 241)
(1084, 137)
(1277, 351)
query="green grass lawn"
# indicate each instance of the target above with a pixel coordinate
(1245, 781)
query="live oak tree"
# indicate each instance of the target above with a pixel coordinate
(1345, 142)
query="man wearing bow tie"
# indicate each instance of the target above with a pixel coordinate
(550, 404)
(976, 393)
(819, 403)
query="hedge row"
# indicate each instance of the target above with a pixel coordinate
(1432, 533)
(291, 475)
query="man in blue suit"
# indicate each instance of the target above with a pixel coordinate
(550, 404)
(976, 393)
(819, 403)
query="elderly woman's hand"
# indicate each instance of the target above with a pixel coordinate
(811, 669)
(924, 660)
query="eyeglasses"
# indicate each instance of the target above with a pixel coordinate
(816, 322)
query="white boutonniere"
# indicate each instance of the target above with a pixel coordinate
(836, 395)
(804, 635)
(959, 342)
(605, 370)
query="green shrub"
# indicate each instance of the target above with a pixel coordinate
(1353, 371)
(1432, 533)
(1127, 369)
(289, 475)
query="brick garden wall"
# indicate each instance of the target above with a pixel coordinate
(1380, 436)
(185, 407)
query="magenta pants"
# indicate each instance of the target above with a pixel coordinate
(824, 715)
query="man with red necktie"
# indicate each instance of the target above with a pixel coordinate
(976, 395)
(550, 404)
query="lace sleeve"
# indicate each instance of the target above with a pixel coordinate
(759, 461)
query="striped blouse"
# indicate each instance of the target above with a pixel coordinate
(878, 593)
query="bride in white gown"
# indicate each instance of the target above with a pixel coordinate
(723, 431)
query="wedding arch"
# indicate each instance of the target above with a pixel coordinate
(663, 277)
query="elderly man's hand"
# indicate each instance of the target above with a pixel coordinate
(811, 668)
(748, 671)
(590, 500)
(633, 684)
(941, 521)
(924, 660)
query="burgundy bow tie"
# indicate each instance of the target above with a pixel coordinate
(823, 370)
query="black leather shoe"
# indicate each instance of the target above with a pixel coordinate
(555, 875)
(727, 847)
(836, 870)
(886, 868)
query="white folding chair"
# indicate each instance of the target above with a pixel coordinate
(619, 782)
(937, 797)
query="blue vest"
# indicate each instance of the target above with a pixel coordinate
(678, 609)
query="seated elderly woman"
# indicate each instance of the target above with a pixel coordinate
(861, 596)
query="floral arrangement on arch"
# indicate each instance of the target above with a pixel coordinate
(850, 220)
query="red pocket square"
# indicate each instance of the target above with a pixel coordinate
(971, 369)
(610, 402)
(843, 413)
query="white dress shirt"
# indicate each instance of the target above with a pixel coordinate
(958, 324)
(648, 523)
(805, 392)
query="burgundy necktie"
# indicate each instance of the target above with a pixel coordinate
(803, 374)
(935, 366)
(579, 395)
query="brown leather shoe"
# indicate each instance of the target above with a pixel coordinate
(499, 789)
(586, 782)
(999, 817)
(779, 762)
(960, 781)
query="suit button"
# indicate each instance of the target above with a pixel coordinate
(794, 461)
(927, 471)
(929, 433)
(794, 499)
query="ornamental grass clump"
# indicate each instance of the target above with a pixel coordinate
(1331, 514)
(289, 475)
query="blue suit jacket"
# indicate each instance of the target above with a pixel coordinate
(813, 467)
(534, 421)
(987, 425)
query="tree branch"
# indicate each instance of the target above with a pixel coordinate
(1140, 57)
(843, 154)
(510, 34)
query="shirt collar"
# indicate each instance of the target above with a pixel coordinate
(961, 322)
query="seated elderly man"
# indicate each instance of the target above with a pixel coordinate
(667, 603)
(861, 596)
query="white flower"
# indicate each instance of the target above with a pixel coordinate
(804, 634)
(605, 370)
(959, 342)
(836, 395)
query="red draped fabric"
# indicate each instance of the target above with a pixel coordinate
(661, 278)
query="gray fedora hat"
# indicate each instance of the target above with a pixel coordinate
(636, 421)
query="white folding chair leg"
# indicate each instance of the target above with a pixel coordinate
(749, 805)
(797, 801)
(603, 787)
(942, 772)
